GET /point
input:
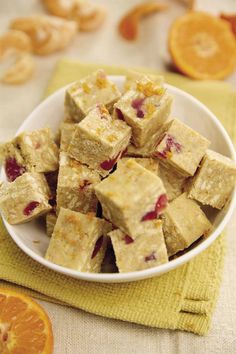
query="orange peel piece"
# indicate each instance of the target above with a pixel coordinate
(48, 33)
(25, 326)
(129, 24)
(202, 46)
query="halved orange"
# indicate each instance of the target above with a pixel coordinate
(25, 328)
(202, 46)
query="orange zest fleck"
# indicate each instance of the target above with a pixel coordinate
(86, 88)
(150, 88)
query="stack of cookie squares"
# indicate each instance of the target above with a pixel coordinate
(126, 181)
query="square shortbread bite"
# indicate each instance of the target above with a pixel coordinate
(181, 147)
(148, 163)
(39, 150)
(51, 219)
(24, 199)
(66, 133)
(172, 180)
(147, 150)
(145, 251)
(214, 180)
(131, 196)
(12, 160)
(183, 223)
(88, 92)
(75, 187)
(99, 140)
(145, 110)
(78, 241)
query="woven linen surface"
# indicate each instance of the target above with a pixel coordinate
(182, 299)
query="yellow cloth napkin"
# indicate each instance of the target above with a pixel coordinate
(182, 299)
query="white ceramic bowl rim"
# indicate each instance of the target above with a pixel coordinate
(147, 273)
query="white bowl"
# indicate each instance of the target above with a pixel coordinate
(186, 108)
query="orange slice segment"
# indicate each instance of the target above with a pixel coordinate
(24, 325)
(202, 46)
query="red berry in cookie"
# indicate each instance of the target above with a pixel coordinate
(172, 145)
(30, 208)
(161, 204)
(137, 105)
(150, 257)
(13, 169)
(109, 164)
(128, 239)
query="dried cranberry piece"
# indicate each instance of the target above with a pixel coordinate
(161, 204)
(30, 208)
(137, 105)
(140, 113)
(151, 215)
(108, 164)
(128, 239)
(171, 144)
(13, 169)
(84, 184)
(151, 257)
(119, 114)
(162, 155)
(97, 246)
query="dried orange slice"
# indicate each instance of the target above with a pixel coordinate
(24, 325)
(202, 46)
